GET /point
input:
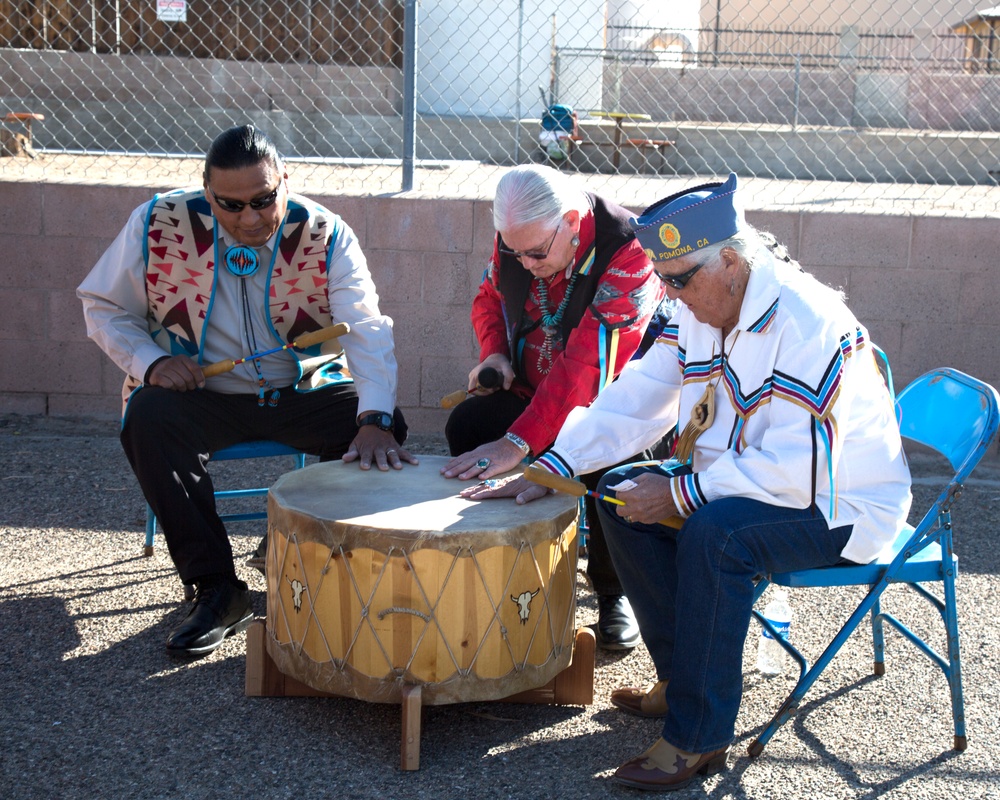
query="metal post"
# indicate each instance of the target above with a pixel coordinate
(798, 89)
(409, 92)
(718, 21)
(517, 83)
(554, 90)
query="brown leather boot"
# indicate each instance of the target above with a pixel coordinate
(665, 768)
(648, 702)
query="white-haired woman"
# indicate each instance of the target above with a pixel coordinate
(564, 304)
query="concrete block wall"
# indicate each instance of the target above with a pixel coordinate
(160, 104)
(56, 77)
(922, 99)
(925, 286)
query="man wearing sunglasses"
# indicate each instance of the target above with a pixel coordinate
(198, 276)
(789, 457)
(564, 304)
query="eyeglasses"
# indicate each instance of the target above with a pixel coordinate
(680, 281)
(257, 204)
(534, 255)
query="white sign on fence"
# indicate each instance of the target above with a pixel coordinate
(171, 10)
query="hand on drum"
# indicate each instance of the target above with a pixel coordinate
(649, 502)
(487, 460)
(372, 444)
(516, 486)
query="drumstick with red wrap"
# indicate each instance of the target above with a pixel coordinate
(488, 378)
(562, 484)
(305, 340)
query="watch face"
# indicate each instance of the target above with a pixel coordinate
(381, 419)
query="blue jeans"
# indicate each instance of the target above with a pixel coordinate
(694, 588)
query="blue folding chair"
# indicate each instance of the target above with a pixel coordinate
(259, 449)
(956, 416)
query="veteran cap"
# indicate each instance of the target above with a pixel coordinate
(690, 220)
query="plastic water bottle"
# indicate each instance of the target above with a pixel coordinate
(770, 653)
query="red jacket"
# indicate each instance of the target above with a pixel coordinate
(596, 350)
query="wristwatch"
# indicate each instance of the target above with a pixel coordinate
(383, 420)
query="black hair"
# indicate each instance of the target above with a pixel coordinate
(239, 147)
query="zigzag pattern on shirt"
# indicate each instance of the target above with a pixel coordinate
(298, 280)
(819, 400)
(745, 404)
(180, 271)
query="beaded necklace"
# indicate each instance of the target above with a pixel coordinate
(550, 321)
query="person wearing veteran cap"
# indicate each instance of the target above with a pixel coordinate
(788, 457)
(211, 274)
(564, 303)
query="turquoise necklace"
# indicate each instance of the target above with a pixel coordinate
(550, 321)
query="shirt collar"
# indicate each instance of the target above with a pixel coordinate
(228, 241)
(763, 290)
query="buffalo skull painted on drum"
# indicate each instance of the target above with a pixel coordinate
(523, 601)
(297, 589)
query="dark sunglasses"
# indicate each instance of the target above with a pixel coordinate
(680, 281)
(257, 204)
(534, 255)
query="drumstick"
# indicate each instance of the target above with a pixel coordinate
(562, 484)
(488, 378)
(567, 485)
(305, 340)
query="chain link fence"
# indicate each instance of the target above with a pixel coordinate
(393, 94)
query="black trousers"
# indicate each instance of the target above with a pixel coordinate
(478, 420)
(170, 436)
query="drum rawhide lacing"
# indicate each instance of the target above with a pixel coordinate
(427, 618)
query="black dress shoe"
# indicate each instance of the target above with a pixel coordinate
(616, 625)
(221, 609)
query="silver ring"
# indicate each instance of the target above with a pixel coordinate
(492, 483)
(387, 452)
(483, 463)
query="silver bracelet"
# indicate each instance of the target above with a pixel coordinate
(522, 445)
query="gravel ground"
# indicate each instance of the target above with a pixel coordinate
(94, 707)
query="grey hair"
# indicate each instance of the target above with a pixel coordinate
(534, 193)
(748, 243)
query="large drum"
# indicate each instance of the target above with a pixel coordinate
(376, 581)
